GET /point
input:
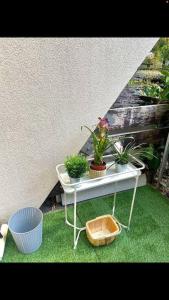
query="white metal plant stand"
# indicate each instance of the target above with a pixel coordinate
(86, 183)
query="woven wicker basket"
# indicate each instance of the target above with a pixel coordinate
(95, 173)
(102, 230)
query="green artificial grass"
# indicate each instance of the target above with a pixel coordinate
(147, 240)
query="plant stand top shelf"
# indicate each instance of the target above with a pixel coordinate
(87, 183)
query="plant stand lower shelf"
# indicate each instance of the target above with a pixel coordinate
(86, 183)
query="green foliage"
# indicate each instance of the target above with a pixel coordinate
(124, 154)
(133, 82)
(156, 91)
(100, 145)
(154, 163)
(76, 165)
(154, 61)
(138, 82)
(152, 91)
(149, 74)
(165, 92)
(161, 42)
(164, 52)
(122, 158)
(161, 50)
(160, 54)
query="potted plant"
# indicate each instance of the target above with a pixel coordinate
(101, 143)
(123, 153)
(76, 166)
(158, 93)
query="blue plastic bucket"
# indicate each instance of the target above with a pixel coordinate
(26, 228)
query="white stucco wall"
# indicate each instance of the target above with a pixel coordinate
(49, 87)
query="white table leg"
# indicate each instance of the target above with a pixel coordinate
(113, 211)
(66, 217)
(75, 243)
(74, 222)
(132, 203)
(66, 221)
(114, 204)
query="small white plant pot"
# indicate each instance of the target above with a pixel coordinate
(122, 168)
(74, 180)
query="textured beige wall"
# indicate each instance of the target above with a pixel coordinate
(49, 87)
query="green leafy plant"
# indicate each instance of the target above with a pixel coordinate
(164, 94)
(139, 82)
(76, 165)
(153, 164)
(152, 91)
(161, 50)
(156, 91)
(164, 53)
(101, 142)
(124, 154)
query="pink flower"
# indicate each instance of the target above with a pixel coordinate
(104, 123)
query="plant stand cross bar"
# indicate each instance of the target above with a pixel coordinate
(87, 183)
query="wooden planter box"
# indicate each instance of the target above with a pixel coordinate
(140, 117)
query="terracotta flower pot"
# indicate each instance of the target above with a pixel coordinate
(97, 170)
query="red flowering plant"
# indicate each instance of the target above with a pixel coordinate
(101, 141)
